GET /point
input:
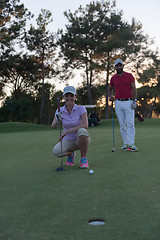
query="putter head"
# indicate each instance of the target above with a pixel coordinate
(113, 149)
(60, 169)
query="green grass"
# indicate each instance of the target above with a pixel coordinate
(39, 203)
(11, 127)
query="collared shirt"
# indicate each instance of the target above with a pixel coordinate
(71, 120)
(122, 85)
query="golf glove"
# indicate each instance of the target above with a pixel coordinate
(134, 104)
(59, 117)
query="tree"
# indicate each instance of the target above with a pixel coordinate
(97, 92)
(20, 72)
(41, 42)
(95, 36)
(18, 107)
(149, 93)
(54, 101)
(13, 18)
(80, 42)
(50, 106)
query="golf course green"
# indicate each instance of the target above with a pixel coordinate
(39, 203)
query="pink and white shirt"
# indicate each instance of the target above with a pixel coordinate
(70, 120)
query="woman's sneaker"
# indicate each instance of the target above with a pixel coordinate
(124, 148)
(84, 163)
(132, 148)
(70, 160)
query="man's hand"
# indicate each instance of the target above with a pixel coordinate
(59, 117)
(134, 104)
(111, 98)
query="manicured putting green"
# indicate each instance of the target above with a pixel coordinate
(38, 202)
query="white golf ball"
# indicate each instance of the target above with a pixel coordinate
(91, 171)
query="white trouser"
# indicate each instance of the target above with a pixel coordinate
(125, 115)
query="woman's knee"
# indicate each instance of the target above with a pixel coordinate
(56, 151)
(82, 132)
(83, 137)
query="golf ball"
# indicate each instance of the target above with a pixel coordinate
(91, 171)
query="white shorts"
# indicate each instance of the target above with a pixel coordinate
(69, 145)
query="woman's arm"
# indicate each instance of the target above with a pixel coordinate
(84, 124)
(54, 123)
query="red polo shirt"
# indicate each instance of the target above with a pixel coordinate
(122, 85)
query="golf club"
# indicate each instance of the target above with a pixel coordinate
(113, 149)
(61, 167)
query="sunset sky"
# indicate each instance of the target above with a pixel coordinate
(147, 12)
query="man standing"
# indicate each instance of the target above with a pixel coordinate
(125, 104)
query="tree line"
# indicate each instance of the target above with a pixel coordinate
(94, 36)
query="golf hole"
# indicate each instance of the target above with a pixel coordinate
(96, 222)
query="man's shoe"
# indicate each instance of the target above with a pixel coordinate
(84, 163)
(70, 160)
(124, 148)
(132, 148)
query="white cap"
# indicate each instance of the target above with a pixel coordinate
(69, 89)
(118, 61)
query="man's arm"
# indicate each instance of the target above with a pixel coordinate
(110, 92)
(134, 96)
(134, 90)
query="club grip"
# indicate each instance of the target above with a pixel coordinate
(58, 103)
(112, 104)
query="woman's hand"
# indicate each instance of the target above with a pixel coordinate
(63, 135)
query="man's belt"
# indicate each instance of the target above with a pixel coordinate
(123, 99)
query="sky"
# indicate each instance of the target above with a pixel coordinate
(147, 12)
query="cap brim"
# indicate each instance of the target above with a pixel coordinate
(118, 63)
(69, 92)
